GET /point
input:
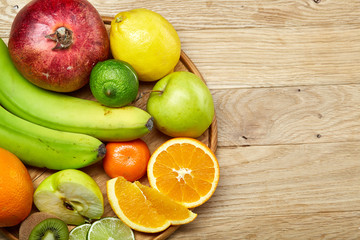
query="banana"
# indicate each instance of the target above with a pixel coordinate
(41, 147)
(67, 113)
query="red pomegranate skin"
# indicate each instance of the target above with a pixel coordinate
(60, 70)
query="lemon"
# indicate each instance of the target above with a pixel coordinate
(114, 83)
(147, 41)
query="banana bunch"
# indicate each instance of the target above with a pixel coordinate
(70, 128)
(39, 146)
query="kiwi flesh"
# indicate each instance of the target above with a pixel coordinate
(43, 226)
(50, 229)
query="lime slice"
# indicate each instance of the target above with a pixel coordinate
(110, 228)
(80, 232)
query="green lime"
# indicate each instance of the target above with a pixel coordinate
(79, 232)
(114, 83)
(110, 228)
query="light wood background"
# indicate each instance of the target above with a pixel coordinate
(285, 79)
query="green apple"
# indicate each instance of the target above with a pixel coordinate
(71, 195)
(181, 105)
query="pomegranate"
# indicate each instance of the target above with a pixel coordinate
(56, 43)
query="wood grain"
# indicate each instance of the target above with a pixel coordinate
(288, 115)
(222, 14)
(334, 225)
(288, 179)
(269, 57)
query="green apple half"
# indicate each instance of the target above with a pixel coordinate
(71, 195)
(181, 105)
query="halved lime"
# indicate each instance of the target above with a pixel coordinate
(80, 232)
(110, 228)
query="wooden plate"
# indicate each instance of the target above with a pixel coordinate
(154, 139)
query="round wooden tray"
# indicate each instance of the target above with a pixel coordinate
(154, 139)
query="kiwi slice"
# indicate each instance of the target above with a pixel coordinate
(43, 226)
(50, 229)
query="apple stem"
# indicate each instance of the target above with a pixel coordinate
(145, 92)
(63, 38)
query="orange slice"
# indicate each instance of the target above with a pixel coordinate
(184, 169)
(145, 209)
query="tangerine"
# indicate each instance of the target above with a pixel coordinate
(127, 159)
(16, 190)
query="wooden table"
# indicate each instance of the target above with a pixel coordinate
(285, 79)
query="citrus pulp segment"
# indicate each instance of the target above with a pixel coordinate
(185, 170)
(172, 210)
(110, 228)
(79, 232)
(140, 209)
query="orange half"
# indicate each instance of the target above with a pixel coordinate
(145, 209)
(185, 170)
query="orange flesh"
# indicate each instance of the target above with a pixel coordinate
(184, 173)
(163, 205)
(147, 207)
(135, 206)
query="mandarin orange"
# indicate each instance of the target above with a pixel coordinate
(126, 159)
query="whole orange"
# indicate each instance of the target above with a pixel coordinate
(126, 159)
(16, 190)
